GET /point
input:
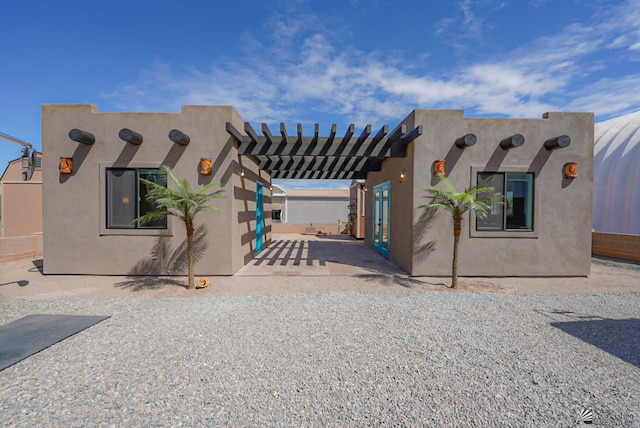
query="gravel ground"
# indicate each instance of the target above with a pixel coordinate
(333, 359)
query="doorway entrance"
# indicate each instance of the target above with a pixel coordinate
(381, 214)
(259, 218)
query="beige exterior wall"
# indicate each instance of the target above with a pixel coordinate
(305, 228)
(560, 244)
(21, 210)
(20, 247)
(76, 240)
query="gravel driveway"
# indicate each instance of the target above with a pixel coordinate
(333, 359)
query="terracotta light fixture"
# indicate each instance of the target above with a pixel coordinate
(439, 167)
(206, 166)
(571, 170)
(66, 165)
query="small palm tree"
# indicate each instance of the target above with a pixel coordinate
(473, 198)
(183, 202)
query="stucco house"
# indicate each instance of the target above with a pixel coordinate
(543, 168)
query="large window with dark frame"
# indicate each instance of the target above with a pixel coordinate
(126, 197)
(515, 189)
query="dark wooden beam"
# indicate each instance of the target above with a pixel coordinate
(179, 137)
(299, 132)
(250, 132)
(80, 136)
(130, 136)
(283, 132)
(327, 144)
(557, 143)
(267, 133)
(376, 139)
(511, 142)
(399, 147)
(361, 139)
(314, 140)
(466, 140)
(231, 130)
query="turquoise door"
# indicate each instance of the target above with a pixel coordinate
(381, 215)
(259, 218)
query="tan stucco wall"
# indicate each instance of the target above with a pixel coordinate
(20, 247)
(561, 242)
(75, 237)
(21, 209)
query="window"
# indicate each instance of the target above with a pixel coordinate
(126, 197)
(516, 191)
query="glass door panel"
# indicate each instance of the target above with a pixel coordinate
(381, 217)
(259, 218)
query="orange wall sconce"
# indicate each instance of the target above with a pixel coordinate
(66, 165)
(571, 170)
(439, 167)
(206, 166)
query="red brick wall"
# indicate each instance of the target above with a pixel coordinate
(622, 246)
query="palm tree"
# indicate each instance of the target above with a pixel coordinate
(473, 198)
(183, 202)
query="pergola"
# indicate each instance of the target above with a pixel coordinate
(330, 157)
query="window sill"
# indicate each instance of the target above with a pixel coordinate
(528, 234)
(135, 232)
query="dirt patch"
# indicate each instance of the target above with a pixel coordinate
(23, 279)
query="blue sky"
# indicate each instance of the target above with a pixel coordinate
(325, 61)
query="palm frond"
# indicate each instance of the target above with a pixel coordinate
(473, 198)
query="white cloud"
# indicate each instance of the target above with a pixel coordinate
(311, 76)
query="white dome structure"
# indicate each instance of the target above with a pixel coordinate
(616, 175)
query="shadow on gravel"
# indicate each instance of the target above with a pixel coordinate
(620, 338)
(148, 283)
(395, 280)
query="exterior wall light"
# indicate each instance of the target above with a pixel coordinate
(403, 174)
(206, 166)
(571, 170)
(241, 172)
(66, 165)
(439, 167)
(467, 140)
(81, 136)
(130, 136)
(557, 143)
(179, 137)
(510, 142)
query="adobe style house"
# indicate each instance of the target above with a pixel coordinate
(95, 163)
(542, 167)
